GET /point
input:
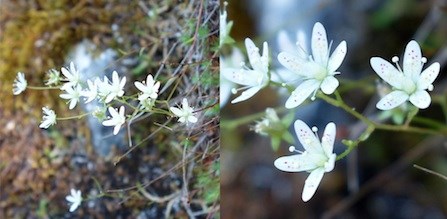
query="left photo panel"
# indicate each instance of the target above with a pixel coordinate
(109, 109)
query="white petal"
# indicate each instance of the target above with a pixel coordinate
(301, 93)
(140, 86)
(122, 83)
(72, 103)
(247, 94)
(392, 100)
(116, 129)
(192, 119)
(307, 138)
(66, 73)
(176, 111)
(110, 97)
(330, 163)
(312, 183)
(330, 83)
(412, 59)
(253, 55)
(284, 42)
(428, 76)
(387, 72)
(185, 104)
(293, 63)
(421, 99)
(110, 122)
(328, 139)
(113, 112)
(337, 57)
(73, 206)
(242, 76)
(294, 163)
(319, 44)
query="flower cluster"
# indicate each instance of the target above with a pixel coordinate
(109, 95)
(107, 92)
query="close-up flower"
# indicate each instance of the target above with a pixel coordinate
(19, 84)
(185, 114)
(72, 95)
(48, 119)
(409, 83)
(253, 80)
(75, 198)
(117, 119)
(317, 158)
(317, 71)
(149, 88)
(72, 77)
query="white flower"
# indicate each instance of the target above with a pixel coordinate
(117, 120)
(409, 84)
(92, 92)
(73, 94)
(48, 119)
(253, 80)
(75, 198)
(115, 89)
(185, 113)
(19, 84)
(149, 88)
(72, 77)
(317, 158)
(317, 70)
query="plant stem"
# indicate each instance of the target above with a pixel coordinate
(42, 88)
(73, 117)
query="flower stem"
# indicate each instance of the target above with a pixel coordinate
(42, 88)
(338, 102)
(73, 117)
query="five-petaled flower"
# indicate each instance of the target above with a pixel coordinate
(408, 83)
(317, 158)
(115, 89)
(185, 114)
(117, 119)
(149, 88)
(48, 119)
(74, 198)
(73, 94)
(317, 70)
(19, 84)
(252, 80)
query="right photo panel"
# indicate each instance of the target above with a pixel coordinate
(333, 109)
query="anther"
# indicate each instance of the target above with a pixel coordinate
(395, 59)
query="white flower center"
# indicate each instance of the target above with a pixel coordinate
(320, 73)
(409, 86)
